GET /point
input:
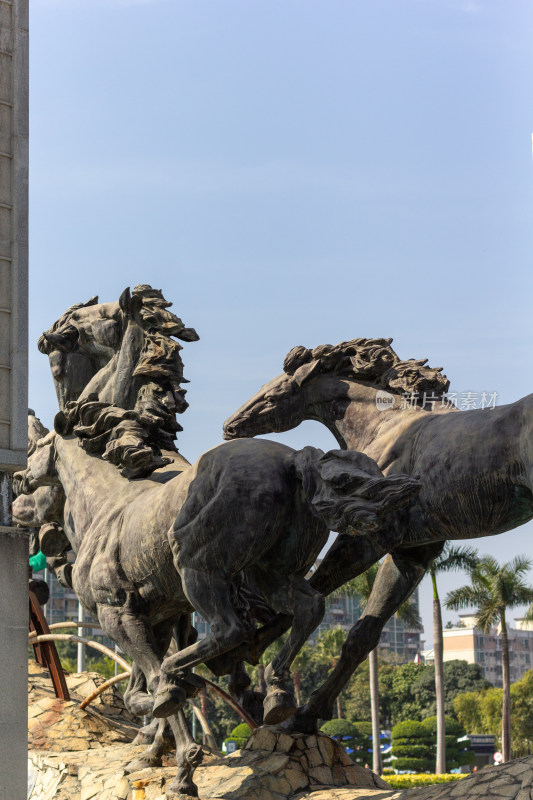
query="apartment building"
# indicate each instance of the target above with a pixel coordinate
(469, 643)
(398, 642)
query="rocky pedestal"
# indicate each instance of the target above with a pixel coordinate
(82, 755)
(273, 766)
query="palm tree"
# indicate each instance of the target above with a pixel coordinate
(451, 559)
(494, 589)
(361, 587)
(328, 648)
(300, 664)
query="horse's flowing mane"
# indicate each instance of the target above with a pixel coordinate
(131, 416)
(371, 361)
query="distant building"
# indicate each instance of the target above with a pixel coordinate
(398, 642)
(63, 603)
(468, 643)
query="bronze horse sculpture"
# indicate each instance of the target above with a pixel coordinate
(475, 469)
(147, 554)
(156, 537)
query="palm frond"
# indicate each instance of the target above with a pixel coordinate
(408, 614)
(454, 558)
(464, 597)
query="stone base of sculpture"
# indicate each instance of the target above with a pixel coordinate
(80, 754)
(273, 766)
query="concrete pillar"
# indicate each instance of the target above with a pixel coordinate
(13, 393)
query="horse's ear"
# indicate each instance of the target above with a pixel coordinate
(60, 423)
(306, 371)
(124, 300)
(91, 302)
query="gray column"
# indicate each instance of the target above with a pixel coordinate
(13, 393)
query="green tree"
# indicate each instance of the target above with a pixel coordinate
(468, 711)
(494, 589)
(361, 587)
(404, 705)
(357, 696)
(451, 559)
(481, 712)
(457, 677)
(522, 715)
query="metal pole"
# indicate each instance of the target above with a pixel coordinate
(81, 645)
(47, 606)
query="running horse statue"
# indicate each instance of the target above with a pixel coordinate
(475, 469)
(231, 536)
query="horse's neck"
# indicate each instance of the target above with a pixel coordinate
(358, 422)
(90, 483)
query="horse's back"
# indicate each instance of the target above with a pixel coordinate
(475, 468)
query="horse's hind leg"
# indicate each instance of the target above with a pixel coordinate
(307, 607)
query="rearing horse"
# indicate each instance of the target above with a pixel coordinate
(475, 469)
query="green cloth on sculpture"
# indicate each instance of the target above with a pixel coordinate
(38, 562)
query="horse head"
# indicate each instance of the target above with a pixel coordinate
(321, 383)
(277, 406)
(41, 469)
(80, 343)
(284, 402)
(348, 491)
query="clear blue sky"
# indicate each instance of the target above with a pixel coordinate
(290, 172)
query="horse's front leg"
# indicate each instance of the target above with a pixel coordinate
(348, 557)
(145, 645)
(209, 593)
(307, 607)
(136, 697)
(189, 755)
(398, 576)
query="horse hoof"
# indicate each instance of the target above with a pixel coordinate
(142, 763)
(303, 722)
(278, 705)
(168, 701)
(178, 790)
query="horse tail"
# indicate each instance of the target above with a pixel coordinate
(348, 491)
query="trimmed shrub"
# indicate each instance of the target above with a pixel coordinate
(351, 735)
(363, 728)
(412, 751)
(340, 728)
(457, 753)
(411, 764)
(409, 729)
(407, 781)
(241, 731)
(412, 746)
(240, 735)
